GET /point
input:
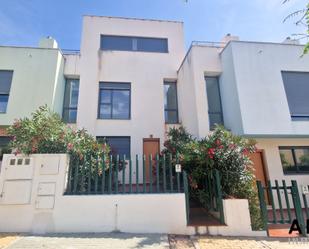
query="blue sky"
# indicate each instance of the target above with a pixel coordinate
(23, 22)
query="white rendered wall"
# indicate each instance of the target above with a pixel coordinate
(49, 211)
(200, 61)
(273, 163)
(257, 78)
(145, 71)
(34, 83)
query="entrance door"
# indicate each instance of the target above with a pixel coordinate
(260, 173)
(151, 146)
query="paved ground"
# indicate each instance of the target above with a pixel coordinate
(92, 241)
(128, 241)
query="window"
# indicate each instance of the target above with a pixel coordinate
(214, 101)
(114, 101)
(170, 102)
(296, 86)
(119, 145)
(4, 141)
(129, 43)
(5, 86)
(70, 100)
(294, 159)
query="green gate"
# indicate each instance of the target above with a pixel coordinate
(214, 194)
(280, 204)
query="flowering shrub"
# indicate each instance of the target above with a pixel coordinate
(221, 150)
(45, 132)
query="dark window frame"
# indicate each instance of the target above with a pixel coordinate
(168, 82)
(296, 165)
(111, 137)
(69, 108)
(220, 100)
(294, 117)
(134, 44)
(100, 103)
(7, 93)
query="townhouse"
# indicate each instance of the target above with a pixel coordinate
(133, 79)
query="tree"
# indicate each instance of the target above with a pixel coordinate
(302, 19)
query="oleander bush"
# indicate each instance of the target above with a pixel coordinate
(45, 132)
(220, 150)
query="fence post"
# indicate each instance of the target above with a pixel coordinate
(297, 206)
(186, 190)
(219, 195)
(262, 203)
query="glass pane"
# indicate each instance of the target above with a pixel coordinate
(121, 104)
(215, 118)
(121, 43)
(171, 117)
(302, 157)
(106, 96)
(287, 160)
(119, 146)
(4, 149)
(5, 81)
(105, 111)
(69, 115)
(152, 45)
(213, 94)
(74, 93)
(170, 96)
(3, 103)
(296, 86)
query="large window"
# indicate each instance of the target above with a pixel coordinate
(294, 159)
(129, 43)
(5, 86)
(170, 102)
(214, 101)
(70, 100)
(296, 86)
(119, 145)
(114, 100)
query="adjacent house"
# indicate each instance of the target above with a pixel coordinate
(132, 80)
(29, 77)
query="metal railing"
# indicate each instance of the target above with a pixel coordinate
(283, 201)
(115, 175)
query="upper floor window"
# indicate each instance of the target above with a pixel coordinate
(114, 101)
(129, 43)
(118, 145)
(170, 102)
(214, 101)
(5, 86)
(296, 86)
(70, 100)
(294, 159)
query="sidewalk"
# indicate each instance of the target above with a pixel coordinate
(154, 241)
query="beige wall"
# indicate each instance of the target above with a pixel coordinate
(37, 80)
(145, 71)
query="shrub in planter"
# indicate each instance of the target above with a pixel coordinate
(221, 150)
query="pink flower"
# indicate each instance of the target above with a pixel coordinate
(245, 151)
(218, 142)
(211, 152)
(70, 146)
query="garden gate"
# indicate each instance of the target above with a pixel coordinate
(282, 204)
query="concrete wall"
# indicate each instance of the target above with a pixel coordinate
(32, 200)
(262, 99)
(145, 71)
(200, 61)
(37, 80)
(272, 159)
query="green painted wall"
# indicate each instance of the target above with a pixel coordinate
(37, 80)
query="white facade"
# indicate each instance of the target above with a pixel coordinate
(253, 98)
